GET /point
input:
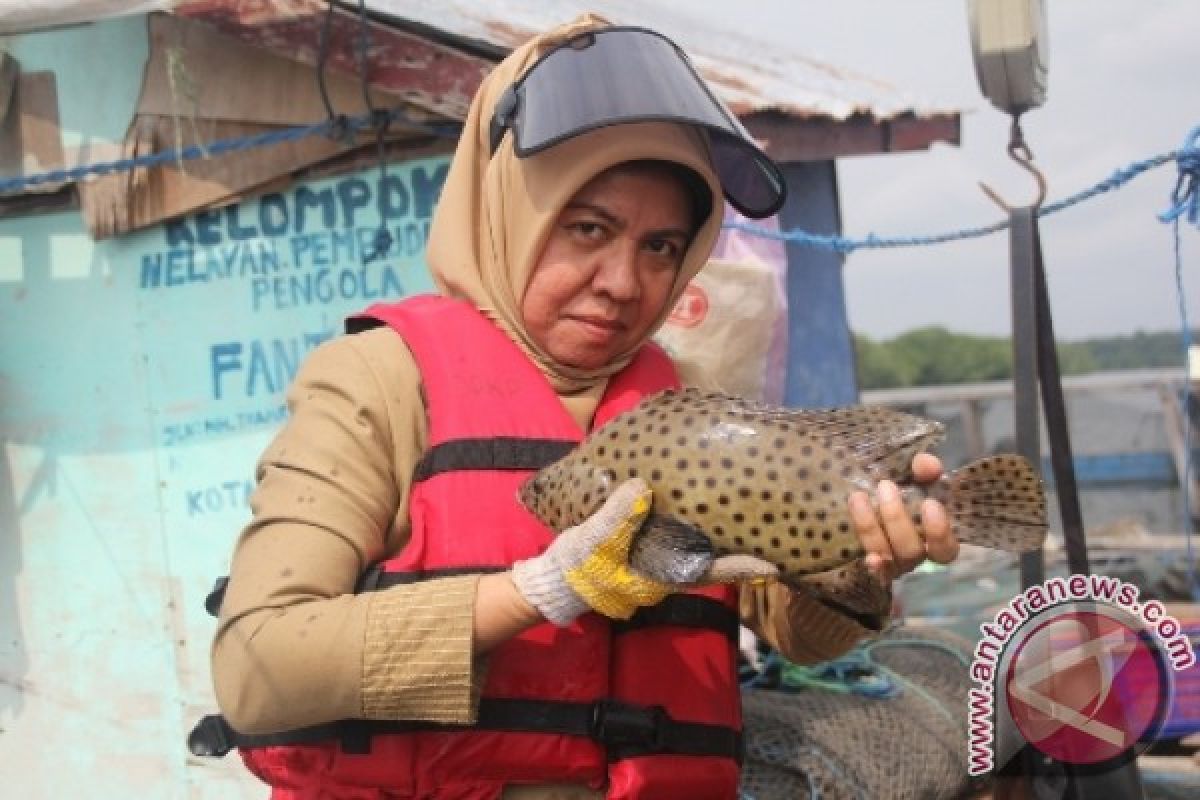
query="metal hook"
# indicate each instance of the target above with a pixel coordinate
(1019, 152)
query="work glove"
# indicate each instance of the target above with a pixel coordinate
(587, 567)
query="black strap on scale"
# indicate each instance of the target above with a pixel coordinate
(1035, 365)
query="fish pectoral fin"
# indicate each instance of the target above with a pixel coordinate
(739, 568)
(851, 586)
(671, 550)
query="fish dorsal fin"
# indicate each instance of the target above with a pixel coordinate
(882, 440)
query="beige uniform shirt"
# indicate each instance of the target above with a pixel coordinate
(296, 647)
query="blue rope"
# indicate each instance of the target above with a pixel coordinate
(337, 127)
(333, 127)
(1185, 195)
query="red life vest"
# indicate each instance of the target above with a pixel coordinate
(647, 708)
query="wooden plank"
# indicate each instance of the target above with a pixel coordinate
(1096, 382)
(1173, 423)
(1120, 469)
(30, 141)
(973, 428)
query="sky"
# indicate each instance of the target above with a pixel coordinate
(1122, 88)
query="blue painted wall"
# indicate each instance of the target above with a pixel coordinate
(139, 379)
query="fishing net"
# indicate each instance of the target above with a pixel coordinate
(888, 720)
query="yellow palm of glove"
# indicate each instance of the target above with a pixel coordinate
(604, 579)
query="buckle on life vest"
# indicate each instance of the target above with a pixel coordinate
(618, 724)
(210, 738)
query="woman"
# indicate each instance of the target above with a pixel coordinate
(562, 238)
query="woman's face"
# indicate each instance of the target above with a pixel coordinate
(608, 266)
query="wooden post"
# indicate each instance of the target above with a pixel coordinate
(972, 428)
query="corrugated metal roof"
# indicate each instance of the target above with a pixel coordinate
(750, 75)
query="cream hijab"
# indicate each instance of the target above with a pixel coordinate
(495, 212)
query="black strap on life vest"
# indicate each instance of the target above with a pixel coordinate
(497, 452)
(624, 729)
(685, 611)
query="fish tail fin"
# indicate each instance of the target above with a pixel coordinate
(998, 501)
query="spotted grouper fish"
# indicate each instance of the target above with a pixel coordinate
(731, 476)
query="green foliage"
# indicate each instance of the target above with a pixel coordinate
(935, 356)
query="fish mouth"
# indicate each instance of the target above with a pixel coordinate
(527, 493)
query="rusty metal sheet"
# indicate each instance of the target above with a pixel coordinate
(428, 49)
(750, 75)
(431, 76)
